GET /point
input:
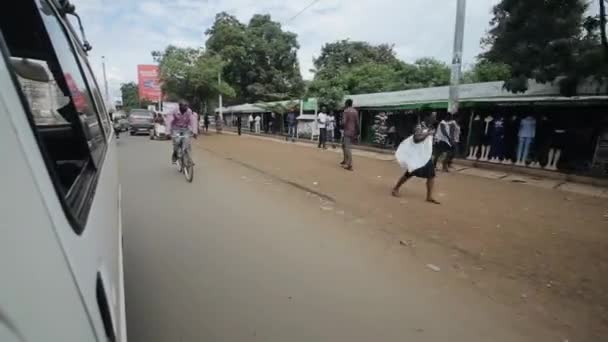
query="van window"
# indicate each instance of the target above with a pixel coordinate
(59, 102)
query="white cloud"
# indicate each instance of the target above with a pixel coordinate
(127, 31)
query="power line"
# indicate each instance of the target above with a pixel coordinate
(303, 10)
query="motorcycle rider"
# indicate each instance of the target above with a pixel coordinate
(180, 120)
(115, 124)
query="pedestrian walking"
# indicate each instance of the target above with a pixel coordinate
(331, 127)
(350, 122)
(415, 151)
(250, 122)
(238, 124)
(292, 124)
(322, 121)
(443, 144)
(257, 124)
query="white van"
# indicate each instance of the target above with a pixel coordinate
(61, 275)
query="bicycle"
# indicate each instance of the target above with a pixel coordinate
(184, 161)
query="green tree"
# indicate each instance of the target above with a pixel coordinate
(130, 95)
(546, 41)
(192, 74)
(345, 53)
(261, 58)
(486, 71)
(350, 67)
(427, 72)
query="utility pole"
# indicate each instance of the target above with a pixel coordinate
(218, 126)
(457, 56)
(105, 80)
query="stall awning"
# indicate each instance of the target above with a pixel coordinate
(411, 106)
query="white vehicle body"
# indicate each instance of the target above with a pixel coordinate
(61, 270)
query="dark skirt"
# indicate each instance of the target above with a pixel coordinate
(427, 171)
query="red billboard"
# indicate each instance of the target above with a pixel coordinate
(149, 83)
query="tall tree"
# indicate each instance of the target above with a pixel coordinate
(344, 53)
(350, 67)
(486, 71)
(192, 74)
(544, 40)
(427, 72)
(261, 58)
(130, 95)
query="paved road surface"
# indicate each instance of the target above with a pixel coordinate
(240, 256)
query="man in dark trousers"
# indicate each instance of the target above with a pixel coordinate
(238, 124)
(322, 122)
(350, 121)
(292, 123)
(206, 122)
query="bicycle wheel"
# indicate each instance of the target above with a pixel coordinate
(179, 164)
(188, 167)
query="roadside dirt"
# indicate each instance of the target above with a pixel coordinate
(539, 250)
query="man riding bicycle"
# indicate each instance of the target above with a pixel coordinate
(180, 120)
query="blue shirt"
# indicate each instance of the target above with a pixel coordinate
(291, 119)
(527, 127)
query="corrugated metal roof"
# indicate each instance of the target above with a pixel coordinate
(472, 93)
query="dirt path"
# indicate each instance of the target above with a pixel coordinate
(539, 250)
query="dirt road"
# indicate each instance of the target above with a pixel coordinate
(242, 256)
(539, 251)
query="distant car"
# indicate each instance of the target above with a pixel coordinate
(141, 121)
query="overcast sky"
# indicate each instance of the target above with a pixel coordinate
(126, 31)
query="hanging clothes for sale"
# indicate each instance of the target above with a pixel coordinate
(544, 132)
(510, 141)
(498, 139)
(488, 127)
(476, 131)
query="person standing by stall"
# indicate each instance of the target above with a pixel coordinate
(322, 122)
(257, 124)
(350, 120)
(238, 124)
(292, 123)
(330, 128)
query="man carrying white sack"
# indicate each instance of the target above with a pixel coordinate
(415, 156)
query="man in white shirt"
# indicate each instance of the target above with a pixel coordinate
(322, 121)
(443, 144)
(330, 128)
(257, 124)
(250, 122)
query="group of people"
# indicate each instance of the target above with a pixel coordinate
(327, 128)
(254, 123)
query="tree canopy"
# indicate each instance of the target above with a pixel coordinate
(191, 74)
(261, 58)
(486, 71)
(546, 41)
(130, 95)
(350, 67)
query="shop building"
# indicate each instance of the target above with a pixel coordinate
(536, 129)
